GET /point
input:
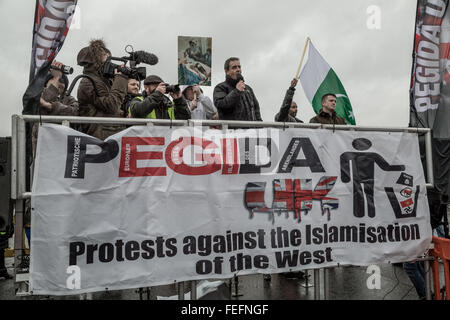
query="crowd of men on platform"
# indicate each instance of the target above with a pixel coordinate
(101, 96)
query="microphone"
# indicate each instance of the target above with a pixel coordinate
(239, 77)
(145, 57)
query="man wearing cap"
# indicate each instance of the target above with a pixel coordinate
(153, 104)
(201, 106)
(288, 110)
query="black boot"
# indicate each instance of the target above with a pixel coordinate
(3, 271)
(4, 274)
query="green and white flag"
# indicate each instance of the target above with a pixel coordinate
(317, 78)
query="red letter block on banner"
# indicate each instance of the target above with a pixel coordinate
(129, 157)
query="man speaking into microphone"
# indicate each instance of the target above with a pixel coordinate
(233, 98)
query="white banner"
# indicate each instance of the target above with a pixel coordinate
(154, 205)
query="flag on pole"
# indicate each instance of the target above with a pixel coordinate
(430, 84)
(52, 21)
(318, 78)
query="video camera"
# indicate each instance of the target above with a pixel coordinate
(64, 69)
(175, 88)
(135, 58)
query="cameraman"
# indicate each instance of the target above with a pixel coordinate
(111, 92)
(53, 101)
(155, 105)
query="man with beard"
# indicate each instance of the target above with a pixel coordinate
(233, 98)
(132, 92)
(109, 95)
(288, 110)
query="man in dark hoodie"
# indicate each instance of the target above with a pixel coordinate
(111, 92)
(288, 109)
(233, 98)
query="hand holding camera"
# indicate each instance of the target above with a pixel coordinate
(57, 69)
(175, 95)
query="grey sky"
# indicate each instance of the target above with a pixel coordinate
(268, 36)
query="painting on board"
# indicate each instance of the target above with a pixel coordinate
(194, 60)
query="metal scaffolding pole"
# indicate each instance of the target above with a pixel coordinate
(180, 286)
(316, 284)
(193, 290)
(428, 281)
(326, 283)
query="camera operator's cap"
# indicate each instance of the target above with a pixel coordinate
(153, 79)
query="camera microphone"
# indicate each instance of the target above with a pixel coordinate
(145, 57)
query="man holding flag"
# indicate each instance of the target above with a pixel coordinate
(324, 90)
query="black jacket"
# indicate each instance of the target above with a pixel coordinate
(160, 103)
(233, 104)
(283, 115)
(325, 118)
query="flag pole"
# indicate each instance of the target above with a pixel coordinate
(301, 59)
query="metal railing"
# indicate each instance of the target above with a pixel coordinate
(18, 168)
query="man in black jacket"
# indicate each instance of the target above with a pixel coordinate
(288, 109)
(155, 105)
(233, 98)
